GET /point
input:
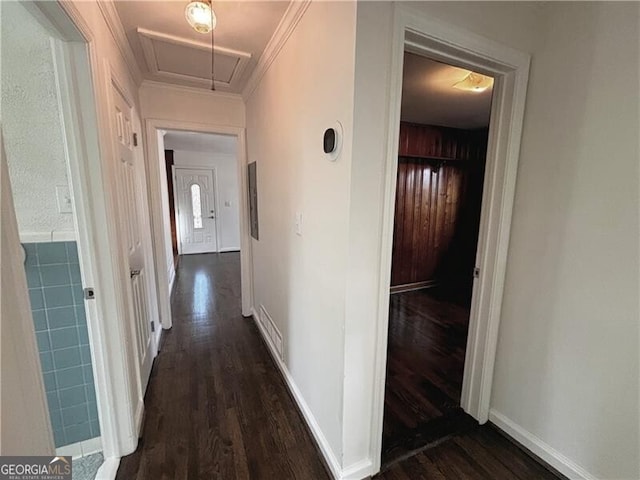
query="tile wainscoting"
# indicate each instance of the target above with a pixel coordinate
(57, 304)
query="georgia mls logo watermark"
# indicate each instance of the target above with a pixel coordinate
(35, 468)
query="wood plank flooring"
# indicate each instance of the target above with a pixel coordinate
(425, 363)
(217, 407)
(479, 454)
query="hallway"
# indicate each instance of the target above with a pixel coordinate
(216, 406)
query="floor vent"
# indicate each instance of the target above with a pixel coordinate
(269, 327)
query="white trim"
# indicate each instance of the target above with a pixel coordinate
(321, 441)
(81, 449)
(148, 37)
(112, 19)
(176, 210)
(539, 447)
(171, 273)
(157, 225)
(45, 237)
(183, 88)
(358, 470)
(108, 470)
(283, 31)
(418, 33)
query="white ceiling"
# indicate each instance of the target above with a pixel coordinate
(428, 96)
(169, 50)
(200, 142)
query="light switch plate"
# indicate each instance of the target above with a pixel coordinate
(63, 196)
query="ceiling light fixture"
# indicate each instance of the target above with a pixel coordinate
(200, 16)
(474, 82)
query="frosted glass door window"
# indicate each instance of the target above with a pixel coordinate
(196, 210)
(196, 206)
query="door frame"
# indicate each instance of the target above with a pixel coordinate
(174, 169)
(415, 32)
(152, 126)
(87, 142)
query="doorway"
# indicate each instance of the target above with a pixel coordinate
(445, 113)
(203, 193)
(57, 262)
(198, 172)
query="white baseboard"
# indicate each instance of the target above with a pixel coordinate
(321, 440)
(229, 249)
(108, 469)
(358, 471)
(81, 449)
(540, 448)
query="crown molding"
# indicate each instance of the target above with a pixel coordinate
(187, 89)
(285, 28)
(112, 19)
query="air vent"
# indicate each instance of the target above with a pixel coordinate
(271, 332)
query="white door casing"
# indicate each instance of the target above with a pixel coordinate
(196, 210)
(129, 202)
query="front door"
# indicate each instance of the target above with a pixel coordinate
(195, 198)
(130, 186)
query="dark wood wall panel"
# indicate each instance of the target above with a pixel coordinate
(435, 194)
(168, 159)
(427, 206)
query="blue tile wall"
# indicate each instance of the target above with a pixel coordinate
(55, 291)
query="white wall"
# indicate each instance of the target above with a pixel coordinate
(300, 280)
(567, 364)
(184, 104)
(32, 127)
(228, 191)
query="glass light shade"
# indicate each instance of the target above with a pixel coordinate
(200, 16)
(474, 82)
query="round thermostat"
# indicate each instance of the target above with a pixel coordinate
(332, 141)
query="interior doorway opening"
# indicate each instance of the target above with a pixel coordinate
(199, 198)
(444, 129)
(203, 192)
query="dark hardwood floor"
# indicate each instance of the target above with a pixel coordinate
(217, 407)
(479, 454)
(425, 363)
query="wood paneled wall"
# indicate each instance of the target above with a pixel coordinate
(438, 197)
(168, 160)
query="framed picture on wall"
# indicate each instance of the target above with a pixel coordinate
(253, 200)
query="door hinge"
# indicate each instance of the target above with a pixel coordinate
(89, 293)
(153, 326)
(476, 272)
(135, 139)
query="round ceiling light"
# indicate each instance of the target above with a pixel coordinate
(200, 16)
(474, 82)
